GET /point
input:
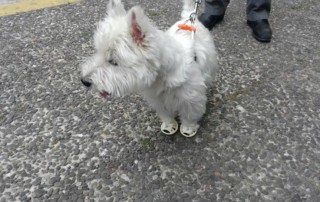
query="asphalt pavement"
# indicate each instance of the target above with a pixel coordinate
(259, 140)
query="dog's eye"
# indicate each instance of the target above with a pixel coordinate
(113, 62)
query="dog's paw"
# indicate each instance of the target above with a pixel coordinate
(169, 128)
(189, 130)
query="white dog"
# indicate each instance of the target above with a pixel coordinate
(171, 70)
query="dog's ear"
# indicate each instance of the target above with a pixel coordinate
(136, 30)
(140, 25)
(115, 7)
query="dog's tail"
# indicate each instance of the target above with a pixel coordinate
(188, 7)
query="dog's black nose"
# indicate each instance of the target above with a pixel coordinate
(86, 83)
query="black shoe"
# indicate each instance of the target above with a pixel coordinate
(209, 21)
(261, 30)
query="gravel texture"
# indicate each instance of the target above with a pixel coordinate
(259, 141)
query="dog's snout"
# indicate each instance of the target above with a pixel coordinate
(86, 83)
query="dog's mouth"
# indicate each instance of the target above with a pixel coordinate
(104, 94)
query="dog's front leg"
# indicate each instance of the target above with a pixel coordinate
(191, 111)
(169, 125)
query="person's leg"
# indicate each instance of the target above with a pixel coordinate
(214, 12)
(257, 18)
(258, 9)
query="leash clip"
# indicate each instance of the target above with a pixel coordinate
(194, 14)
(192, 19)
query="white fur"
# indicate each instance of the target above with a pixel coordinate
(161, 67)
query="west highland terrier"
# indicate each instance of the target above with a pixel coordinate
(171, 70)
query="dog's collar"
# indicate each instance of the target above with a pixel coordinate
(187, 27)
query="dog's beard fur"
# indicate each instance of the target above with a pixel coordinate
(169, 69)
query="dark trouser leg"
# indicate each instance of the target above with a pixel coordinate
(214, 12)
(216, 7)
(258, 9)
(257, 18)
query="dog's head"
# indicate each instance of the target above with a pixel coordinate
(126, 57)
